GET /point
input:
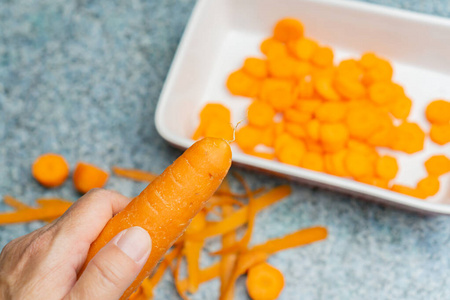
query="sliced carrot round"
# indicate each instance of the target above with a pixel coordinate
(280, 99)
(50, 170)
(301, 69)
(400, 107)
(303, 48)
(324, 87)
(440, 134)
(281, 67)
(334, 133)
(291, 152)
(219, 129)
(368, 60)
(308, 105)
(87, 177)
(313, 129)
(256, 67)
(273, 48)
(406, 190)
(386, 167)
(331, 112)
(248, 137)
(215, 111)
(381, 92)
(350, 68)
(381, 71)
(296, 116)
(264, 282)
(358, 165)
(323, 57)
(362, 122)
(429, 186)
(240, 83)
(272, 85)
(260, 114)
(409, 138)
(313, 161)
(438, 112)
(295, 130)
(349, 87)
(288, 29)
(304, 88)
(437, 165)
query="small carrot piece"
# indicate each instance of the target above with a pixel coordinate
(281, 67)
(304, 89)
(273, 48)
(134, 174)
(295, 130)
(409, 191)
(215, 111)
(381, 92)
(219, 129)
(308, 106)
(400, 107)
(331, 112)
(324, 86)
(436, 165)
(358, 165)
(362, 122)
(386, 167)
(50, 170)
(440, 134)
(167, 205)
(296, 239)
(428, 186)
(288, 29)
(303, 48)
(292, 152)
(260, 114)
(192, 250)
(334, 136)
(264, 282)
(313, 161)
(349, 88)
(240, 83)
(409, 138)
(323, 57)
(87, 177)
(240, 217)
(296, 116)
(205, 275)
(256, 67)
(438, 112)
(247, 137)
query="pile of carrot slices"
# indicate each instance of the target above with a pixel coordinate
(310, 112)
(224, 214)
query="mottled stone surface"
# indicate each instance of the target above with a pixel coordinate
(82, 78)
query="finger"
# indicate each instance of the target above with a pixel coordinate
(115, 266)
(85, 219)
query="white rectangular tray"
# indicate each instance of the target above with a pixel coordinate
(222, 33)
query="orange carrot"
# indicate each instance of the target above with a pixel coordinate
(288, 29)
(240, 83)
(440, 134)
(32, 214)
(205, 275)
(428, 186)
(134, 174)
(255, 67)
(87, 177)
(240, 217)
(438, 112)
(264, 282)
(14, 203)
(436, 165)
(386, 167)
(260, 114)
(409, 191)
(167, 205)
(50, 170)
(303, 48)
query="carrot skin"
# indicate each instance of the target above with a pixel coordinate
(167, 205)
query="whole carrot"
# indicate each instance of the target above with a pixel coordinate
(168, 204)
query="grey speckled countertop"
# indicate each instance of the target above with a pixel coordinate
(82, 78)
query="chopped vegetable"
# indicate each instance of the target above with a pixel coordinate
(264, 282)
(50, 170)
(87, 177)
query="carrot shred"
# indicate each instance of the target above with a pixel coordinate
(239, 217)
(15, 203)
(176, 273)
(135, 174)
(192, 250)
(152, 282)
(295, 239)
(31, 214)
(205, 275)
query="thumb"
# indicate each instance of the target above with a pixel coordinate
(115, 266)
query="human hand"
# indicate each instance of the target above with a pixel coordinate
(44, 264)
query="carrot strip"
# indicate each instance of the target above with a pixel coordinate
(295, 239)
(31, 214)
(245, 261)
(15, 203)
(239, 217)
(135, 174)
(192, 250)
(205, 275)
(223, 200)
(48, 202)
(237, 195)
(176, 273)
(243, 243)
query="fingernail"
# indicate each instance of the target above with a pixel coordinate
(135, 243)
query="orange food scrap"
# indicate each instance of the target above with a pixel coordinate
(288, 29)
(386, 167)
(334, 136)
(291, 152)
(349, 87)
(368, 60)
(260, 114)
(219, 129)
(350, 68)
(324, 86)
(303, 48)
(428, 186)
(338, 163)
(87, 177)
(281, 67)
(304, 88)
(380, 71)
(323, 57)
(256, 67)
(313, 161)
(409, 138)
(331, 112)
(50, 170)
(437, 165)
(438, 112)
(362, 122)
(247, 137)
(440, 134)
(409, 191)
(239, 83)
(381, 92)
(264, 282)
(358, 165)
(273, 48)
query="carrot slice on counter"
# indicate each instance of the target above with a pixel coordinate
(288, 29)
(134, 174)
(437, 165)
(264, 282)
(50, 170)
(87, 176)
